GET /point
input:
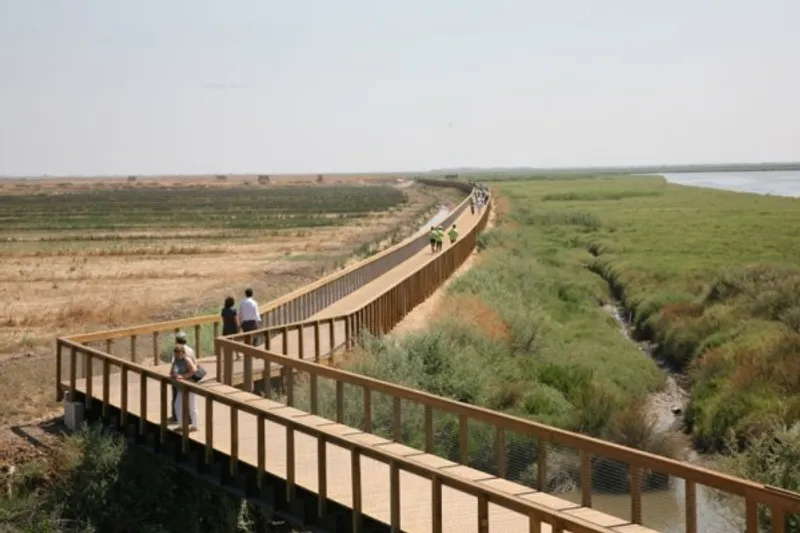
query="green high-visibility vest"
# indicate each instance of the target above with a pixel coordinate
(453, 234)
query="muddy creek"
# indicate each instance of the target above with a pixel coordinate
(665, 510)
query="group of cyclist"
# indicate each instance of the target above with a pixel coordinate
(477, 199)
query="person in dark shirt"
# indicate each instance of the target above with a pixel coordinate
(230, 319)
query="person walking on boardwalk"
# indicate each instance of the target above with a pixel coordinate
(230, 320)
(453, 234)
(180, 340)
(472, 203)
(184, 369)
(439, 238)
(432, 238)
(249, 315)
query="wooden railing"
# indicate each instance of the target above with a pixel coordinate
(149, 342)
(150, 382)
(459, 419)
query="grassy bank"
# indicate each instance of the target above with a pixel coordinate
(523, 332)
(711, 276)
(93, 482)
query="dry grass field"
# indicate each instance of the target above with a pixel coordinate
(80, 255)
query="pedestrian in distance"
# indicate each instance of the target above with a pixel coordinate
(432, 238)
(453, 234)
(439, 238)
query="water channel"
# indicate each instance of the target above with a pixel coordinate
(665, 510)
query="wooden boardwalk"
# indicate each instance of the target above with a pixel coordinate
(460, 510)
(410, 489)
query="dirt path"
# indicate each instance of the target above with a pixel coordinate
(419, 317)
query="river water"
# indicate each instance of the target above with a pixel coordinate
(774, 182)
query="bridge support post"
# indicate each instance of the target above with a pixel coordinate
(73, 413)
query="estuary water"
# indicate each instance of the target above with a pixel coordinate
(771, 182)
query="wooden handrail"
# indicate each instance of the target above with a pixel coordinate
(536, 513)
(730, 484)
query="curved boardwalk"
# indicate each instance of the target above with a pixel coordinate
(375, 476)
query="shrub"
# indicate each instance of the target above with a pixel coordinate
(95, 483)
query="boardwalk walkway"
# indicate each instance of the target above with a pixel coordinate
(373, 476)
(460, 510)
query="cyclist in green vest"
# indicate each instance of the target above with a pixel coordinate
(453, 234)
(439, 238)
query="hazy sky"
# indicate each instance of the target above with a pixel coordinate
(191, 86)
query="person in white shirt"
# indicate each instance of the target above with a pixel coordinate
(249, 314)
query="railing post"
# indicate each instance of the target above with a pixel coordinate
(59, 371)
(316, 342)
(156, 351)
(261, 451)
(227, 375)
(541, 466)
(339, 402)
(347, 331)
(332, 336)
(367, 410)
(436, 504)
(636, 494)
(234, 462)
(355, 470)
(301, 346)
(290, 466)
(142, 404)
(394, 496)
(586, 479)
(248, 372)
(89, 379)
(73, 370)
(218, 355)
(197, 340)
(322, 476)
(501, 457)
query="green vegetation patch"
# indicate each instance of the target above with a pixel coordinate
(196, 207)
(713, 277)
(94, 482)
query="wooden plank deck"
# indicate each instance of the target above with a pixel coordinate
(459, 509)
